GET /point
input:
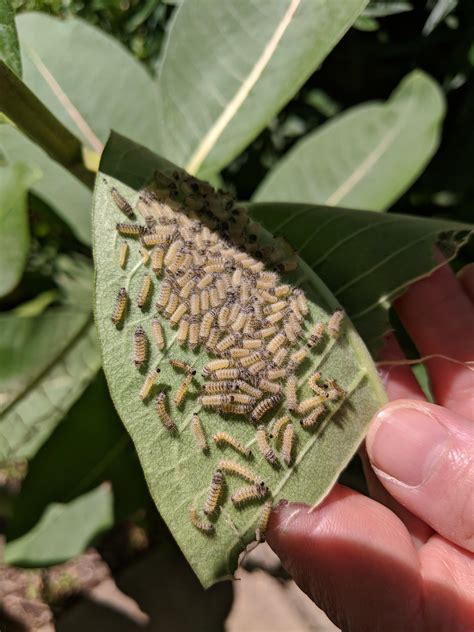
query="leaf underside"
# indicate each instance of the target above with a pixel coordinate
(177, 473)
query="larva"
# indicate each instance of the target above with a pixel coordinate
(227, 374)
(140, 347)
(216, 365)
(278, 426)
(280, 356)
(275, 307)
(202, 525)
(215, 493)
(163, 295)
(227, 342)
(121, 203)
(251, 343)
(204, 282)
(236, 469)
(172, 252)
(224, 438)
(313, 382)
(144, 292)
(272, 319)
(282, 290)
(253, 369)
(268, 297)
(154, 239)
(205, 300)
(264, 406)
(163, 414)
(123, 254)
(182, 335)
(181, 365)
(263, 521)
(249, 389)
(212, 340)
(120, 306)
(237, 353)
(334, 323)
(222, 386)
(145, 255)
(157, 258)
(290, 391)
(182, 391)
(308, 404)
(172, 304)
(287, 444)
(215, 401)
(296, 359)
(276, 374)
(269, 387)
(301, 301)
(149, 382)
(243, 398)
(265, 448)
(206, 324)
(316, 335)
(198, 432)
(178, 314)
(195, 304)
(223, 315)
(311, 420)
(235, 409)
(248, 494)
(248, 360)
(266, 332)
(193, 336)
(130, 230)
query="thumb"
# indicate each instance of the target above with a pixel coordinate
(423, 455)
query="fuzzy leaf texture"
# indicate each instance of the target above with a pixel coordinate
(242, 62)
(9, 48)
(177, 473)
(366, 157)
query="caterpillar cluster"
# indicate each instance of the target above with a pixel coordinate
(209, 281)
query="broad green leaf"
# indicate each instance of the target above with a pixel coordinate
(366, 157)
(14, 233)
(93, 85)
(177, 474)
(88, 447)
(64, 530)
(46, 362)
(228, 68)
(9, 49)
(366, 259)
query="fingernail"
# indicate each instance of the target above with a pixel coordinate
(405, 441)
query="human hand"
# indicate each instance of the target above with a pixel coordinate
(404, 560)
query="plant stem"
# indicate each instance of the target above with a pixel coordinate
(43, 128)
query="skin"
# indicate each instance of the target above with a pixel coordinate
(402, 559)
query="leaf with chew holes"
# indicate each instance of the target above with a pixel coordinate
(177, 472)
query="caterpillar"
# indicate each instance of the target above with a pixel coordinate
(215, 493)
(123, 254)
(121, 203)
(287, 444)
(149, 382)
(181, 365)
(311, 420)
(163, 413)
(291, 394)
(120, 306)
(266, 450)
(202, 525)
(335, 322)
(198, 433)
(264, 406)
(225, 438)
(316, 335)
(144, 291)
(182, 390)
(236, 469)
(248, 494)
(263, 521)
(278, 426)
(140, 347)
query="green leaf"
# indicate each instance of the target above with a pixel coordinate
(9, 49)
(93, 85)
(64, 530)
(366, 157)
(88, 447)
(366, 259)
(229, 68)
(177, 475)
(382, 8)
(15, 181)
(46, 362)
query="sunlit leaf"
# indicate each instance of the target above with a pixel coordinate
(366, 157)
(366, 259)
(14, 233)
(64, 530)
(229, 67)
(177, 473)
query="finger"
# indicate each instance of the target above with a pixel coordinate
(399, 381)
(423, 456)
(466, 278)
(444, 563)
(418, 529)
(440, 318)
(354, 558)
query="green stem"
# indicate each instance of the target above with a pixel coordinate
(34, 119)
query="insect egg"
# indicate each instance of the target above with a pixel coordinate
(140, 346)
(119, 307)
